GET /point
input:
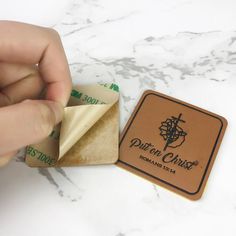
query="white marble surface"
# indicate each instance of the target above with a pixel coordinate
(186, 49)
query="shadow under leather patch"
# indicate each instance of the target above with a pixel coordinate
(88, 133)
(171, 143)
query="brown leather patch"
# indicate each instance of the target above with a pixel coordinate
(171, 143)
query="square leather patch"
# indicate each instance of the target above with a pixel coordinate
(171, 143)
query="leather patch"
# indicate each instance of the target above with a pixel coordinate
(171, 143)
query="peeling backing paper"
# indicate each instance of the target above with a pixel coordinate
(88, 133)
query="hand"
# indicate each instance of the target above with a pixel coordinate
(31, 59)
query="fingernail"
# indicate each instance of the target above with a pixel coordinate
(65, 101)
(57, 109)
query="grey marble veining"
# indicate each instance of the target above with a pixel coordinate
(139, 45)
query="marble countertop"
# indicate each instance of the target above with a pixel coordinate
(186, 49)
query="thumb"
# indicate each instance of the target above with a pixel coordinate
(6, 158)
(27, 122)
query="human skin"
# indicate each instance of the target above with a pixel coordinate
(32, 59)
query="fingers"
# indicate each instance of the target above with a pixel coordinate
(28, 88)
(6, 158)
(24, 43)
(13, 72)
(26, 123)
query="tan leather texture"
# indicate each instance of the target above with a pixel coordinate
(171, 143)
